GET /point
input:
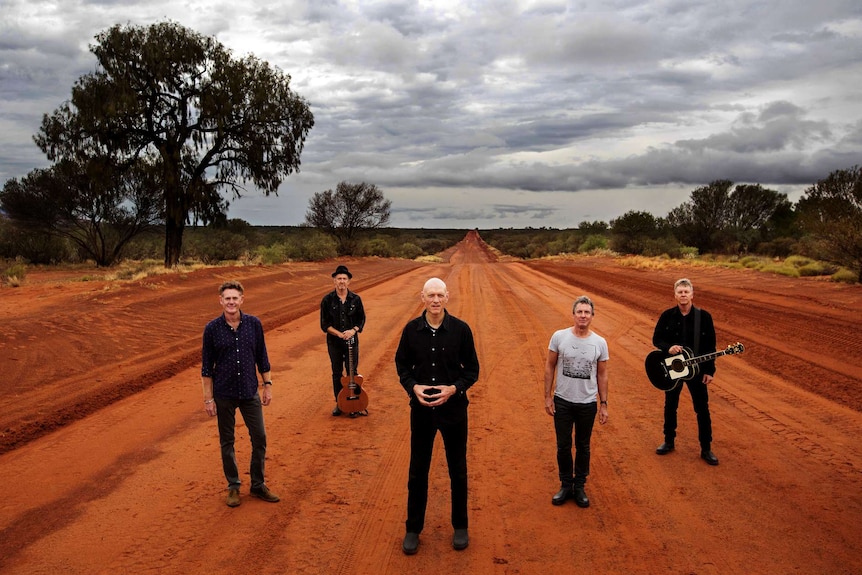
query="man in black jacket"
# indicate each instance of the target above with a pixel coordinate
(342, 318)
(685, 326)
(436, 363)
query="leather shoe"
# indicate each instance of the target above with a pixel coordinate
(460, 540)
(564, 493)
(581, 498)
(411, 544)
(233, 498)
(708, 456)
(664, 448)
(337, 411)
(264, 493)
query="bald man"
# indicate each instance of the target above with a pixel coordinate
(436, 363)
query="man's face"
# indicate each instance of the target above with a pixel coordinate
(231, 300)
(683, 294)
(342, 281)
(435, 297)
(583, 315)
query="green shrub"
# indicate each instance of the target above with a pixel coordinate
(14, 273)
(409, 251)
(376, 247)
(798, 261)
(846, 276)
(752, 262)
(816, 268)
(593, 242)
(277, 253)
(317, 247)
(216, 245)
(781, 269)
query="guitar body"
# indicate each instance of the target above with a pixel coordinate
(667, 372)
(352, 398)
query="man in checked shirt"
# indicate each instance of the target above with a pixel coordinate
(233, 346)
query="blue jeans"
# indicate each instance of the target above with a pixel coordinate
(252, 414)
(423, 430)
(580, 417)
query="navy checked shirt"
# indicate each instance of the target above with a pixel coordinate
(230, 356)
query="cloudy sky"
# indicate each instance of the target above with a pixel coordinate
(509, 113)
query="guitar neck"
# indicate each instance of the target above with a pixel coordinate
(703, 358)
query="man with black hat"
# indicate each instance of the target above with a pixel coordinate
(342, 317)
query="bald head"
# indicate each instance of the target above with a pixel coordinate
(434, 284)
(435, 295)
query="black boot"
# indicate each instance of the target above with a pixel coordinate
(564, 493)
(581, 498)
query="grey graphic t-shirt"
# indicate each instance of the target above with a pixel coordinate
(577, 358)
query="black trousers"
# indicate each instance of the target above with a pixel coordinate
(700, 400)
(580, 417)
(338, 357)
(423, 430)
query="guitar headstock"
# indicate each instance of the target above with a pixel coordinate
(735, 348)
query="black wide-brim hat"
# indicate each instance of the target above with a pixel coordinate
(342, 270)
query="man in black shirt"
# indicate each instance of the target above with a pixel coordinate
(680, 327)
(342, 317)
(436, 363)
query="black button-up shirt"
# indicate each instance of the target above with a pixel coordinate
(443, 356)
(229, 356)
(673, 328)
(341, 316)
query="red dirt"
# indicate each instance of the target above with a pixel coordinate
(112, 465)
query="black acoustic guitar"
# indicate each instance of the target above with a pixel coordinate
(352, 398)
(666, 372)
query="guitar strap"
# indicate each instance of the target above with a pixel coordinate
(696, 331)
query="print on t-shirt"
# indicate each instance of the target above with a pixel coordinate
(578, 364)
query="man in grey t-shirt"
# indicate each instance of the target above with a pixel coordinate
(576, 376)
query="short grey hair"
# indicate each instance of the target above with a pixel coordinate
(586, 300)
(683, 282)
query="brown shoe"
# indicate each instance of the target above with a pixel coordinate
(233, 498)
(264, 493)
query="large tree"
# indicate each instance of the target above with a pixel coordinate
(211, 121)
(754, 212)
(700, 221)
(96, 204)
(632, 231)
(831, 210)
(715, 218)
(348, 210)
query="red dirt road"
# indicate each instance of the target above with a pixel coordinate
(112, 466)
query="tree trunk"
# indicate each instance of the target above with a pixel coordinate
(173, 241)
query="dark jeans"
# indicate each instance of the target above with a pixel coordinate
(338, 357)
(252, 414)
(423, 430)
(581, 417)
(700, 400)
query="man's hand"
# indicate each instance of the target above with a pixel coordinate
(433, 395)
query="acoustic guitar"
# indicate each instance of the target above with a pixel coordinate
(666, 372)
(352, 398)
